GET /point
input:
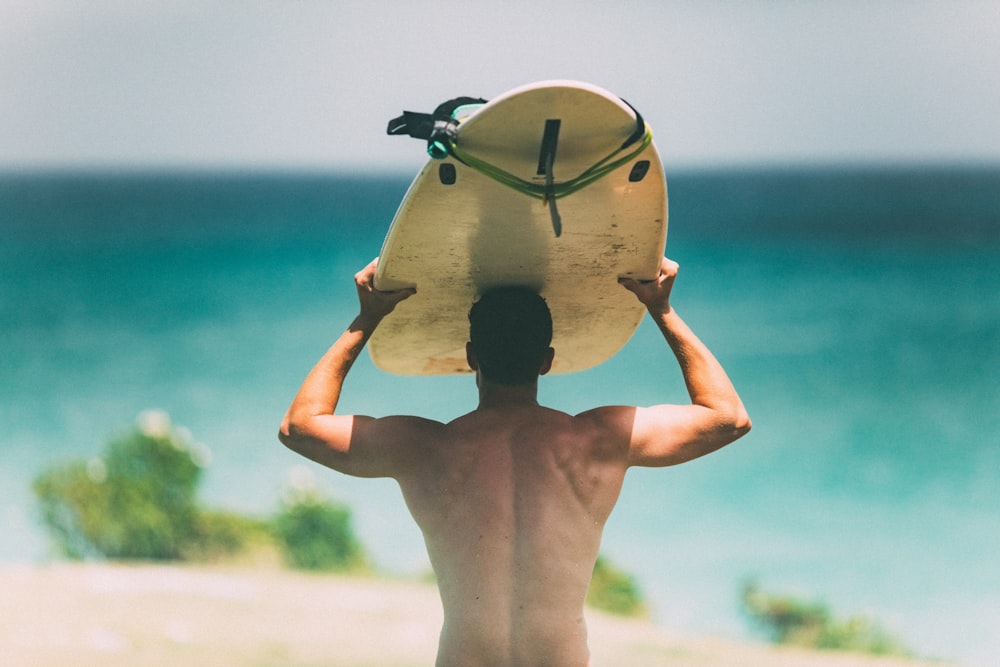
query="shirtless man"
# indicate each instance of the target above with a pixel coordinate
(512, 498)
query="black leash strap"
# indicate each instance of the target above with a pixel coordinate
(439, 128)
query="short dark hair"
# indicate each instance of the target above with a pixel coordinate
(510, 329)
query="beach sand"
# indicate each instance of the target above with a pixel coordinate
(83, 615)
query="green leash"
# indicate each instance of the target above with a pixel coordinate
(557, 190)
(550, 191)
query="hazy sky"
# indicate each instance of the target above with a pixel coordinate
(309, 83)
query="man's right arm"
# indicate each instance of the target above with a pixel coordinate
(352, 444)
(665, 435)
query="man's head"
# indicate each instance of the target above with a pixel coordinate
(510, 329)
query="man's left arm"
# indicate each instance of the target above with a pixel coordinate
(351, 444)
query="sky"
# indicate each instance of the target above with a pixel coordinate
(311, 84)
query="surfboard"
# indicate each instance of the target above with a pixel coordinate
(548, 185)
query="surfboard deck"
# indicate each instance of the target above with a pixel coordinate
(458, 232)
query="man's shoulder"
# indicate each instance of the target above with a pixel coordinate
(414, 421)
(608, 416)
(410, 425)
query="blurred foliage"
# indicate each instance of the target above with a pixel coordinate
(72, 505)
(316, 533)
(221, 535)
(614, 591)
(137, 501)
(788, 620)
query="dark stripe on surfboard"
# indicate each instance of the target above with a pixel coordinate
(547, 153)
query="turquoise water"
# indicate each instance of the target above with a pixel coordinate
(857, 311)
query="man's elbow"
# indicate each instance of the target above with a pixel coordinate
(285, 437)
(289, 435)
(739, 423)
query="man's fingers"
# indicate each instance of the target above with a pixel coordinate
(366, 276)
(668, 269)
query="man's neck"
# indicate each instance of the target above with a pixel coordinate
(493, 395)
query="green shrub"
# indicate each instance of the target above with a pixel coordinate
(788, 620)
(219, 535)
(137, 501)
(73, 508)
(614, 591)
(315, 533)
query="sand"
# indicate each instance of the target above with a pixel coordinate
(82, 615)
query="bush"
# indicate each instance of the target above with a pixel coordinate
(787, 620)
(73, 506)
(614, 591)
(315, 533)
(137, 501)
(219, 535)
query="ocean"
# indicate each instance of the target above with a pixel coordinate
(857, 310)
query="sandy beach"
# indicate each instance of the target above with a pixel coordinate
(83, 615)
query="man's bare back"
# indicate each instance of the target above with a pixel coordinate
(512, 503)
(512, 498)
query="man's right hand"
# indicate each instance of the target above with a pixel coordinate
(376, 304)
(654, 294)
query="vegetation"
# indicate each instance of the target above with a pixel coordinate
(788, 620)
(316, 534)
(220, 535)
(138, 501)
(614, 591)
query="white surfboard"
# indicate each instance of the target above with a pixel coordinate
(460, 231)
